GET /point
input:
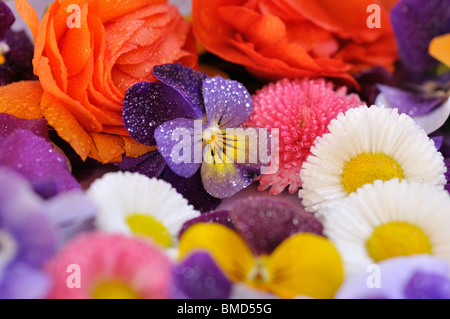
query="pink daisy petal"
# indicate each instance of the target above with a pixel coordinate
(301, 109)
(99, 257)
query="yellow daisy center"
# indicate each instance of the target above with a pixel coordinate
(114, 289)
(368, 167)
(150, 227)
(397, 239)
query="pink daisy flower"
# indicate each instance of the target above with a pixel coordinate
(301, 109)
(109, 266)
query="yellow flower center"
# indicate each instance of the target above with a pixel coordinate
(150, 227)
(3, 49)
(368, 167)
(259, 276)
(114, 289)
(397, 239)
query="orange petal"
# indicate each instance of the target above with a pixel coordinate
(84, 117)
(29, 15)
(135, 149)
(76, 45)
(22, 99)
(66, 125)
(108, 10)
(108, 148)
(348, 19)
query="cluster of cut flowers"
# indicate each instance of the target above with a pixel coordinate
(368, 168)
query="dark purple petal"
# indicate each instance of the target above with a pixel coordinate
(186, 81)
(264, 223)
(415, 24)
(408, 102)
(424, 285)
(192, 189)
(9, 124)
(227, 102)
(21, 281)
(180, 143)
(198, 277)
(447, 174)
(368, 80)
(149, 104)
(35, 158)
(150, 164)
(220, 217)
(6, 19)
(438, 141)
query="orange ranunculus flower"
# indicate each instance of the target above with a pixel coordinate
(296, 38)
(87, 54)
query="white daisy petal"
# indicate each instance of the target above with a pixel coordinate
(119, 195)
(378, 134)
(351, 222)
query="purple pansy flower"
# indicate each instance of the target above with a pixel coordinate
(31, 231)
(33, 156)
(199, 277)
(262, 222)
(176, 114)
(408, 277)
(16, 50)
(417, 89)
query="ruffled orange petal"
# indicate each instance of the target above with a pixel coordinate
(108, 148)
(22, 99)
(66, 125)
(347, 19)
(29, 15)
(135, 149)
(84, 117)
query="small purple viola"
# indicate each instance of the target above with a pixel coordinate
(187, 116)
(418, 88)
(16, 50)
(407, 277)
(25, 147)
(31, 231)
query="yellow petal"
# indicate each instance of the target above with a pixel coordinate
(227, 248)
(440, 48)
(305, 265)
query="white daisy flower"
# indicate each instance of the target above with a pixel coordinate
(134, 204)
(366, 144)
(386, 219)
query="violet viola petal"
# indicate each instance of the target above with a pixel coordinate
(438, 141)
(447, 174)
(150, 164)
(424, 285)
(21, 281)
(180, 143)
(220, 216)
(198, 277)
(408, 102)
(149, 104)
(223, 180)
(395, 274)
(192, 189)
(9, 124)
(34, 158)
(6, 19)
(70, 213)
(415, 24)
(264, 223)
(187, 82)
(227, 102)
